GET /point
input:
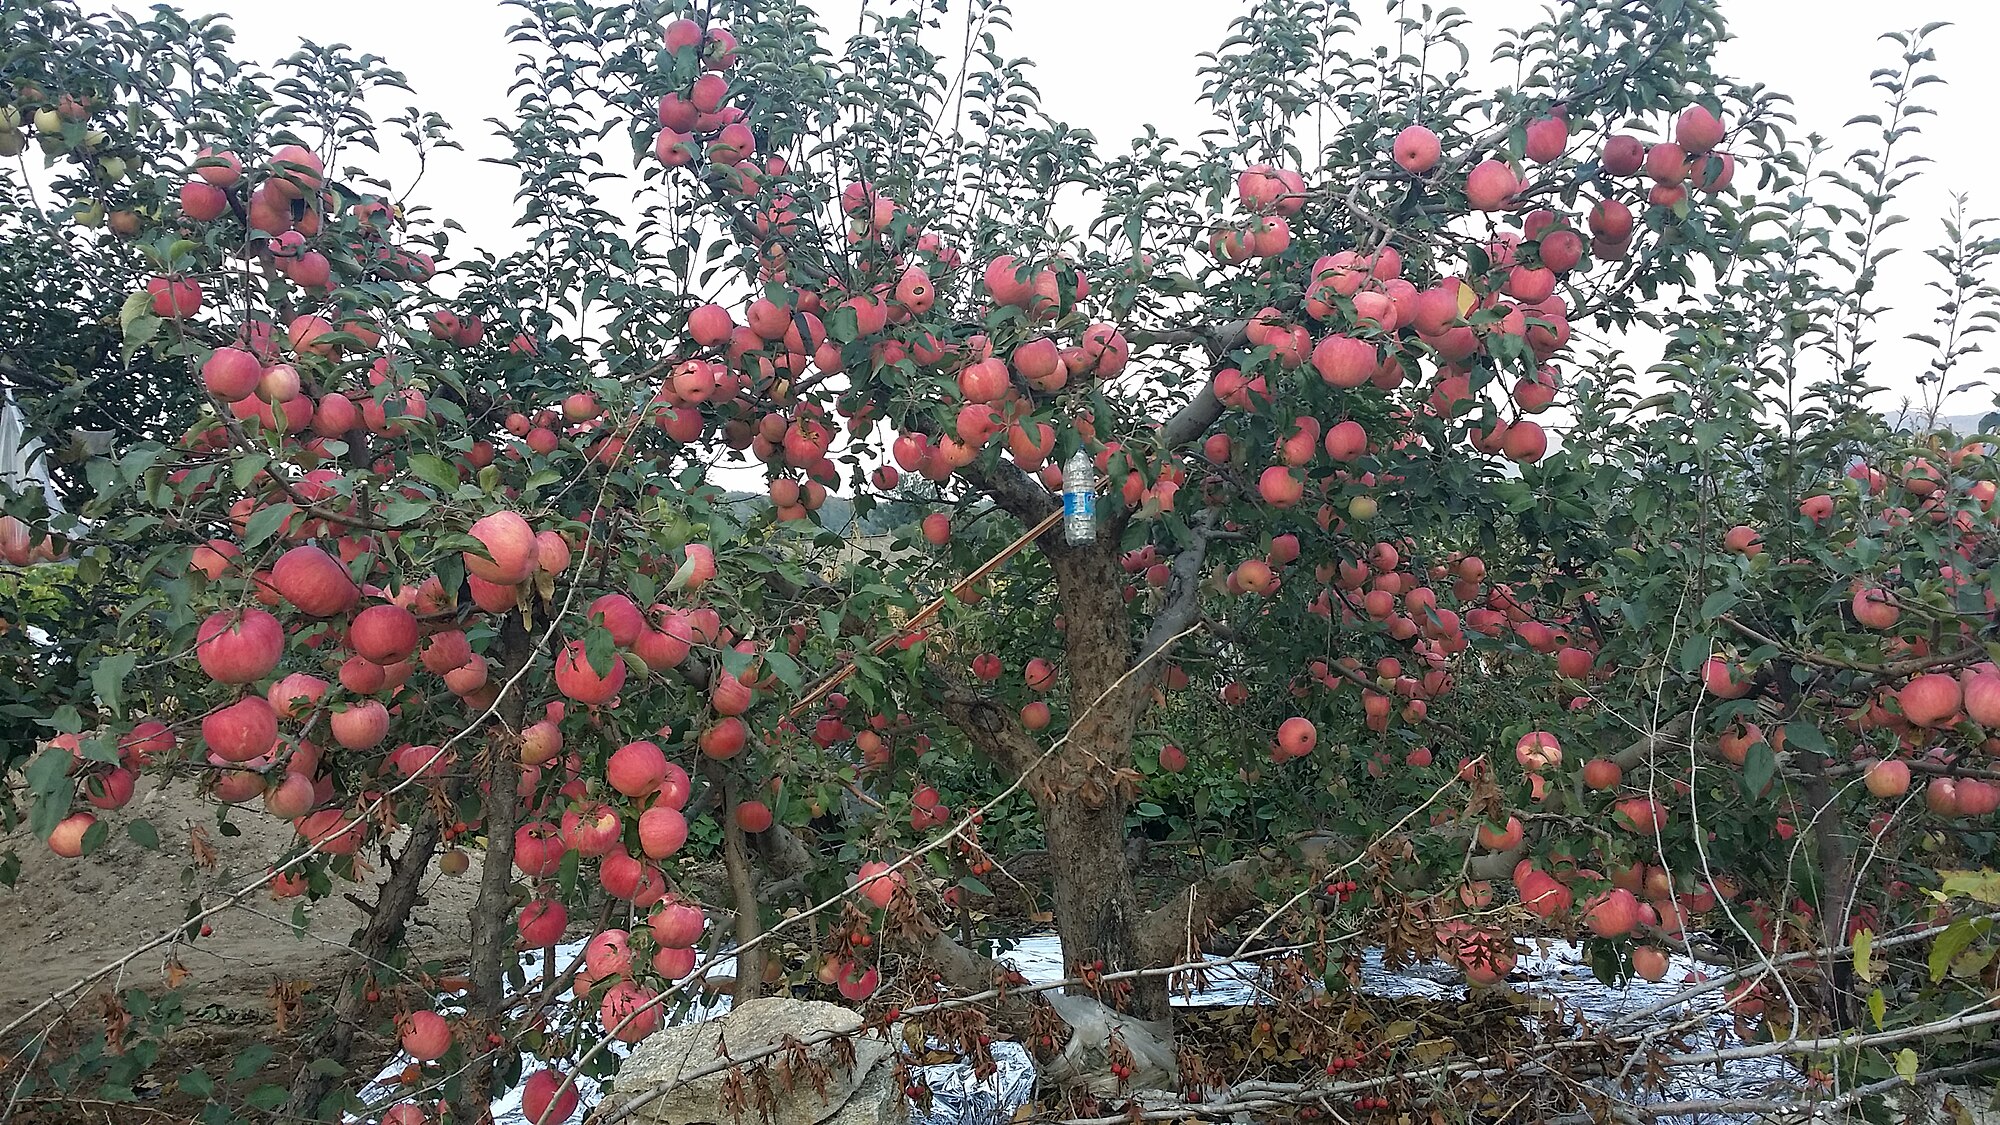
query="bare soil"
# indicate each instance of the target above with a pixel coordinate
(65, 918)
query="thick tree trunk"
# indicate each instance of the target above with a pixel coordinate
(492, 945)
(1082, 797)
(742, 889)
(378, 939)
(1836, 885)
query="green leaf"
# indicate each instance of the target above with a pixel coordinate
(1760, 765)
(48, 780)
(599, 649)
(1949, 944)
(108, 680)
(251, 1059)
(196, 1083)
(265, 522)
(1805, 736)
(681, 576)
(435, 471)
(144, 834)
(1864, 943)
(1877, 1007)
(136, 305)
(1906, 1064)
(1718, 603)
(400, 512)
(1695, 650)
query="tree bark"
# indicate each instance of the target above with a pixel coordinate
(742, 888)
(1083, 798)
(492, 944)
(1836, 884)
(378, 939)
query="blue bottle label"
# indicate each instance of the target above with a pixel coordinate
(1077, 504)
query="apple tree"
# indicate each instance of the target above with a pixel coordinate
(1418, 611)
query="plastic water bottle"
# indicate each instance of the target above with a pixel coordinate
(1079, 499)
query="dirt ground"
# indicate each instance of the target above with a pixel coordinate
(67, 917)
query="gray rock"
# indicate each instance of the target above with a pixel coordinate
(662, 1060)
(877, 1101)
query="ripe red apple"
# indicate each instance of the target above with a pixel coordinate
(1614, 913)
(314, 581)
(538, 849)
(1722, 679)
(591, 832)
(878, 883)
(541, 741)
(608, 954)
(359, 726)
(1538, 750)
(541, 1103)
(1981, 691)
(1698, 130)
(753, 816)
(239, 646)
(1036, 716)
(1624, 154)
(1639, 814)
(512, 544)
(1416, 150)
(1611, 220)
(662, 831)
(1941, 796)
(672, 963)
(1297, 736)
(425, 1036)
(620, 616)
(66, 840)
(1888, 779)
(1930, 700)
(1547, 138)
(384, 634)
(231, 374)
(290, 798)
(1501, 839)
(628, 1012)
(676, 924)
(1649, 963)
(1602, 774)
(576, 679)
(725, 739)
(295, 695)
(542, 922)
(241, 731)
(636, 768)
(1873, 608)
(1491, 185)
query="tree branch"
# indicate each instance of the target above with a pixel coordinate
(993, 730)
(1183, 600)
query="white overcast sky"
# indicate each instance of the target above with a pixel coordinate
(1113, 65)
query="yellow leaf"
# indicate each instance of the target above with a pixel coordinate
(1431, 1050)
(1983, 886)
(1877, 1008)
(1906, 1064)
(1864, 942)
